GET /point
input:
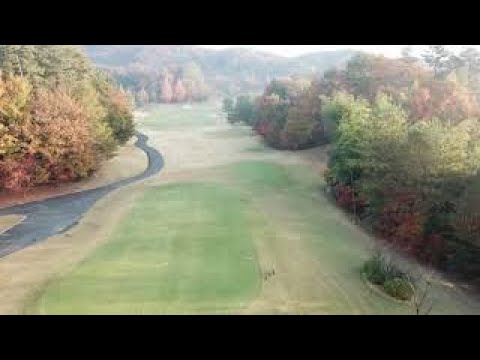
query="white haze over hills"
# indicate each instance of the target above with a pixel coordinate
(297, 50)
(228, 69)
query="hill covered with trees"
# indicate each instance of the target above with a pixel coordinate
(178, 73)
(405, 156)
(59, 116)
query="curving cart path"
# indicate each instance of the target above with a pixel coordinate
(56, 215)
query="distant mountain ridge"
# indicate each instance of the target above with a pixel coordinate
(231, 70)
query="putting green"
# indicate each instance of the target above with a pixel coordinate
(184, 249)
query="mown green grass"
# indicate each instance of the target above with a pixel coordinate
(184, 249)
(261, 175)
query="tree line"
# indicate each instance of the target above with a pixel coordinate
(231, 71)
(170, 84)
(405, 146)
(59, 116)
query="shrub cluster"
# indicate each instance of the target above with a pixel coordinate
(386, 275)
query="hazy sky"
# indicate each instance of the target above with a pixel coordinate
(294, 50)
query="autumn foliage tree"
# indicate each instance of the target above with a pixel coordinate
(410, 175)
(288, 115)
(59, 117)
(167, 83)
(61, 137)
(14, 97)
(304, 127)
(404, 152)
(166, 92)
(179, 92)
(118, 115)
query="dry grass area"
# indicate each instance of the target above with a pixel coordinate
(297, 287)
(128, 162)
(189, 154)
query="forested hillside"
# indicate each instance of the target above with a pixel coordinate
(178, 73)
(405, 156)
(59, 116)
